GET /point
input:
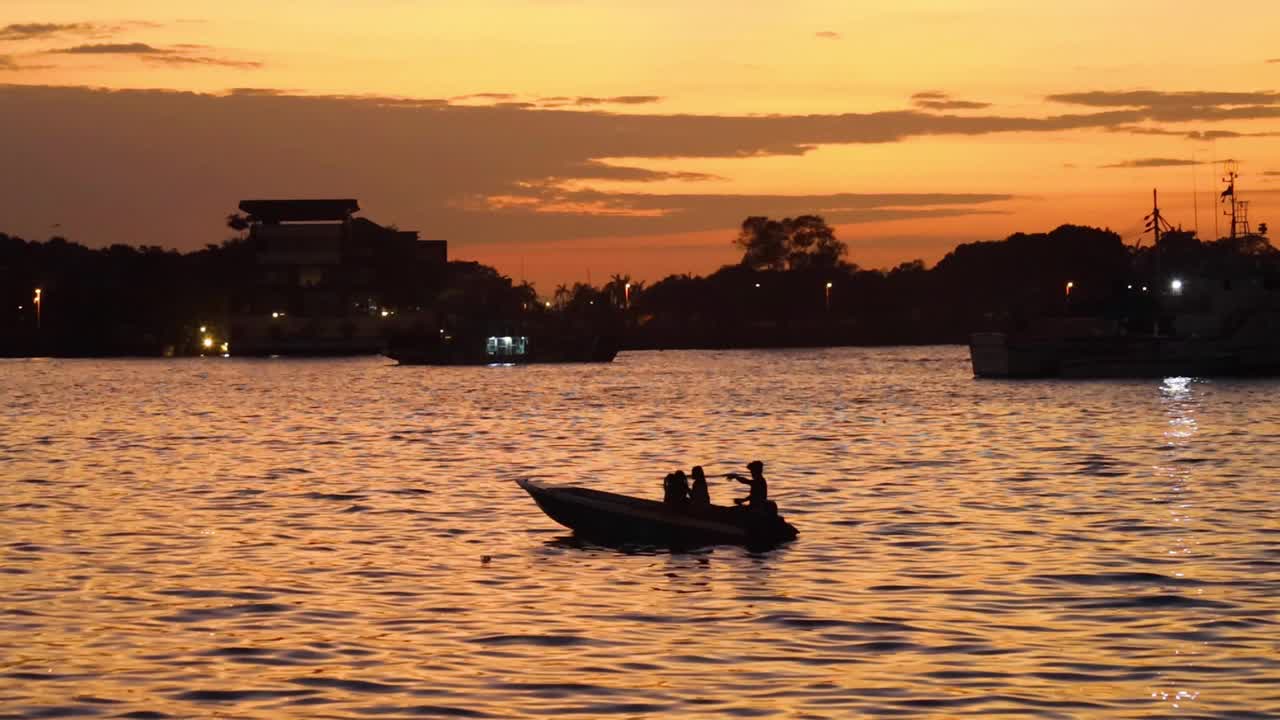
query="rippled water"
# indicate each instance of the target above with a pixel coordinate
(342, 539)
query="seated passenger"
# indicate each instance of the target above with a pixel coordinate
(698, 494)
(675, 489)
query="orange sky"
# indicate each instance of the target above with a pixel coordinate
(555, 138)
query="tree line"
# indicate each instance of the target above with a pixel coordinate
(794, 285)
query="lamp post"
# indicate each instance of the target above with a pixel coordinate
(1066, 299)
(39, 293)
(828, 297)
(626, 294)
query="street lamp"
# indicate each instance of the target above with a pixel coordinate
(828, 297)
(39, 292)
(1176, 286)
(626, 294)
(1069, 286)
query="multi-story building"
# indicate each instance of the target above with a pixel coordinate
(325, 282)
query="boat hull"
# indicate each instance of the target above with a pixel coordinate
(995, 355)
(595, 349)
(620, 518)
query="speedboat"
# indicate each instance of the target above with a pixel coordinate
(621, 518)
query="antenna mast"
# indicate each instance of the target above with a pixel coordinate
(1156, 223)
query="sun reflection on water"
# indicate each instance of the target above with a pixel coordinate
(342, 539)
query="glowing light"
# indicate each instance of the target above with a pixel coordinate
(1070, 284)
(225, 348)
(385, 313)
(207, 342)
(829, 285)
(204, 329)
(757, 284)
(277, 314)
(548, 304)
(1176, 286)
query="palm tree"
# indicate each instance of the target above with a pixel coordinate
(617, 288)
(562, 296)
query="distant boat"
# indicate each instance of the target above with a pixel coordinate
(1219, 316)
(449, 349)
(608, 516)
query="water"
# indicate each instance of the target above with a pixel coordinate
(342, 539)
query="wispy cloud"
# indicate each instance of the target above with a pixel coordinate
(596, 170)
(16, 32)
(1199, 135)
(256, 92)
(934, 100)
(9, 63)
(1153, 163)
(135, 48)
(174, 55)
(1180, 106)
(1273, 60)
(827, 35)
(496, 96)
(34, 31)
(618, 100)
(174, 59)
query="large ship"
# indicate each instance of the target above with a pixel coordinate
(1191, 309)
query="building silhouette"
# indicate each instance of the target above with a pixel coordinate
(325, 282)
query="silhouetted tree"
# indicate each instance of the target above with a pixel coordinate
(796, 243)
(764, 243)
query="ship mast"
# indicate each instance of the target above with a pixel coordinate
(1237, 209)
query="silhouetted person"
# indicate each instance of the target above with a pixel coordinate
(698, 494)
(758, 498)
(675, 489)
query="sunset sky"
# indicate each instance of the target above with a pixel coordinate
(557, 138)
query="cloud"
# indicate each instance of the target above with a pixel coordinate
(827, 35)
(1273, 60)
(485, 96)
(1180, 106)
(472, 173)
(173, 59)
(934, 100)
(1199, 135)
(595, 170)
(560, 101)
(618, 100)
(1152, 163)
(256, 92)
(42, 30)
(9, 63)
(1271, 173)
(135, 48)
(175, 55)
(33, 31)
